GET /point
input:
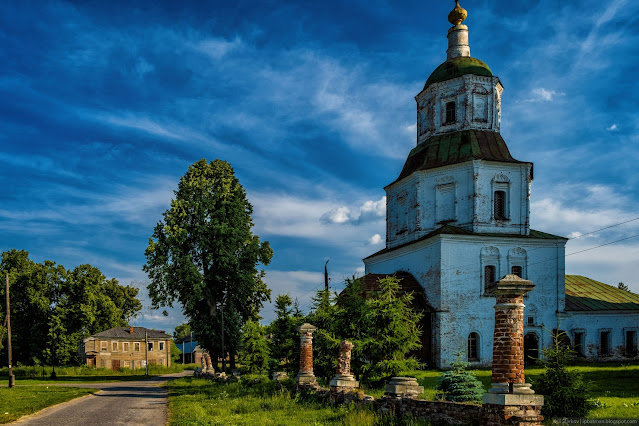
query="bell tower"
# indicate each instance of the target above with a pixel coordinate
(461, 172)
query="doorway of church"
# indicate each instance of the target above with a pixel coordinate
(531, 348)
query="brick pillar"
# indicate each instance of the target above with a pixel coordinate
(305, 376)
(343, 378)
(510, 400)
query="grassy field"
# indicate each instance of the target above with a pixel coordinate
(42, 375)
(23, 400)
(202, 402)
(199, 401)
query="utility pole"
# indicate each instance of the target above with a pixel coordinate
(223, 351)
(326, 275)
(191, 349)
(12, 379)
(146, 353)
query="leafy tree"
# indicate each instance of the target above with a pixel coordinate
(390, 331)
(54, 308)
(182, 330)
(564, 390)
(460, 385)
(255, 352)
(204, 255)
(327, 336)
(285, 334)
(175, 353)
(622, 286)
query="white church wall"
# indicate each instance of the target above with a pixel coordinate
(592, 324)
(477, 105)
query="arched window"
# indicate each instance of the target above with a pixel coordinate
(489, 276)
(450, 113)
(500, 205)
(473, 347)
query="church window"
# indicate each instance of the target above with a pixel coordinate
(516, 270)
(500, 205)
(604, 342)
(489, 275)
(578, 343)
(531, 320)
(473, 347)
(450, 113)
(445, 201)
(631, 343)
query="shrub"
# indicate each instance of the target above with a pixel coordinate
(460, 385)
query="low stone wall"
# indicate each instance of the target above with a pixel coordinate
(436, 411)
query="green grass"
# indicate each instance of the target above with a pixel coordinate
(21, 401)
(195, 401)
(84, 374)
(615, 386)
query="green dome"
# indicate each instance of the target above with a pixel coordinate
(457, 67)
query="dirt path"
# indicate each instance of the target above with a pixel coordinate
(122, 403)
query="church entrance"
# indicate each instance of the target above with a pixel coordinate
(531, 348)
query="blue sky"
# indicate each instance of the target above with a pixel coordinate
(104, 105)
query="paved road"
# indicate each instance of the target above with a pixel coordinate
(122, 403)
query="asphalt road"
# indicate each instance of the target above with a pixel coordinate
(122, 403)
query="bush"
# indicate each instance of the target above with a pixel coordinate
(565, 393)
(460, 385)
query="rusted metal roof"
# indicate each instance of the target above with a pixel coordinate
(456, 67)
(457, 147)
(125, 333)
(454, 230)
(586, 294)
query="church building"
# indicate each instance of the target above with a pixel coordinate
(458, 219)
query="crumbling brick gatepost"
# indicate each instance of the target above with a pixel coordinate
(305, 376)
(344, 380)
(510, 400)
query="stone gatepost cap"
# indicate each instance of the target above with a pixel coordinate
(510, 284)
(307, 328)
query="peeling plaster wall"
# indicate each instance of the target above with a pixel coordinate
(593, 323)
(477, 105)
(460, 195)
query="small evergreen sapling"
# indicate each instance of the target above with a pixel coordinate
(565, 393)
(460, 385)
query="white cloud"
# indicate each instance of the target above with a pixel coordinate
(217, 48)
(338, 215)
(545, 95)
(612, 128)
(375, 239)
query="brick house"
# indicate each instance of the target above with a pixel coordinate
(126, 347)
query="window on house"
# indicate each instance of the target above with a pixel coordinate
(604, 343)
(161, 346)
(489, 275)
(500, 205)
(150, 346)
(450, 113)
(473, 347)
(125, 346)
(517, 270)
(136, 347)
(631, 343)
(104, 346)
(578, 343)
(531, 320)
(114, 346)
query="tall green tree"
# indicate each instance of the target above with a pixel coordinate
(391, 330)
(285, 334)
(204, 255)
(53, 309)
(328, 334)
(182, 330)
(255, 351)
